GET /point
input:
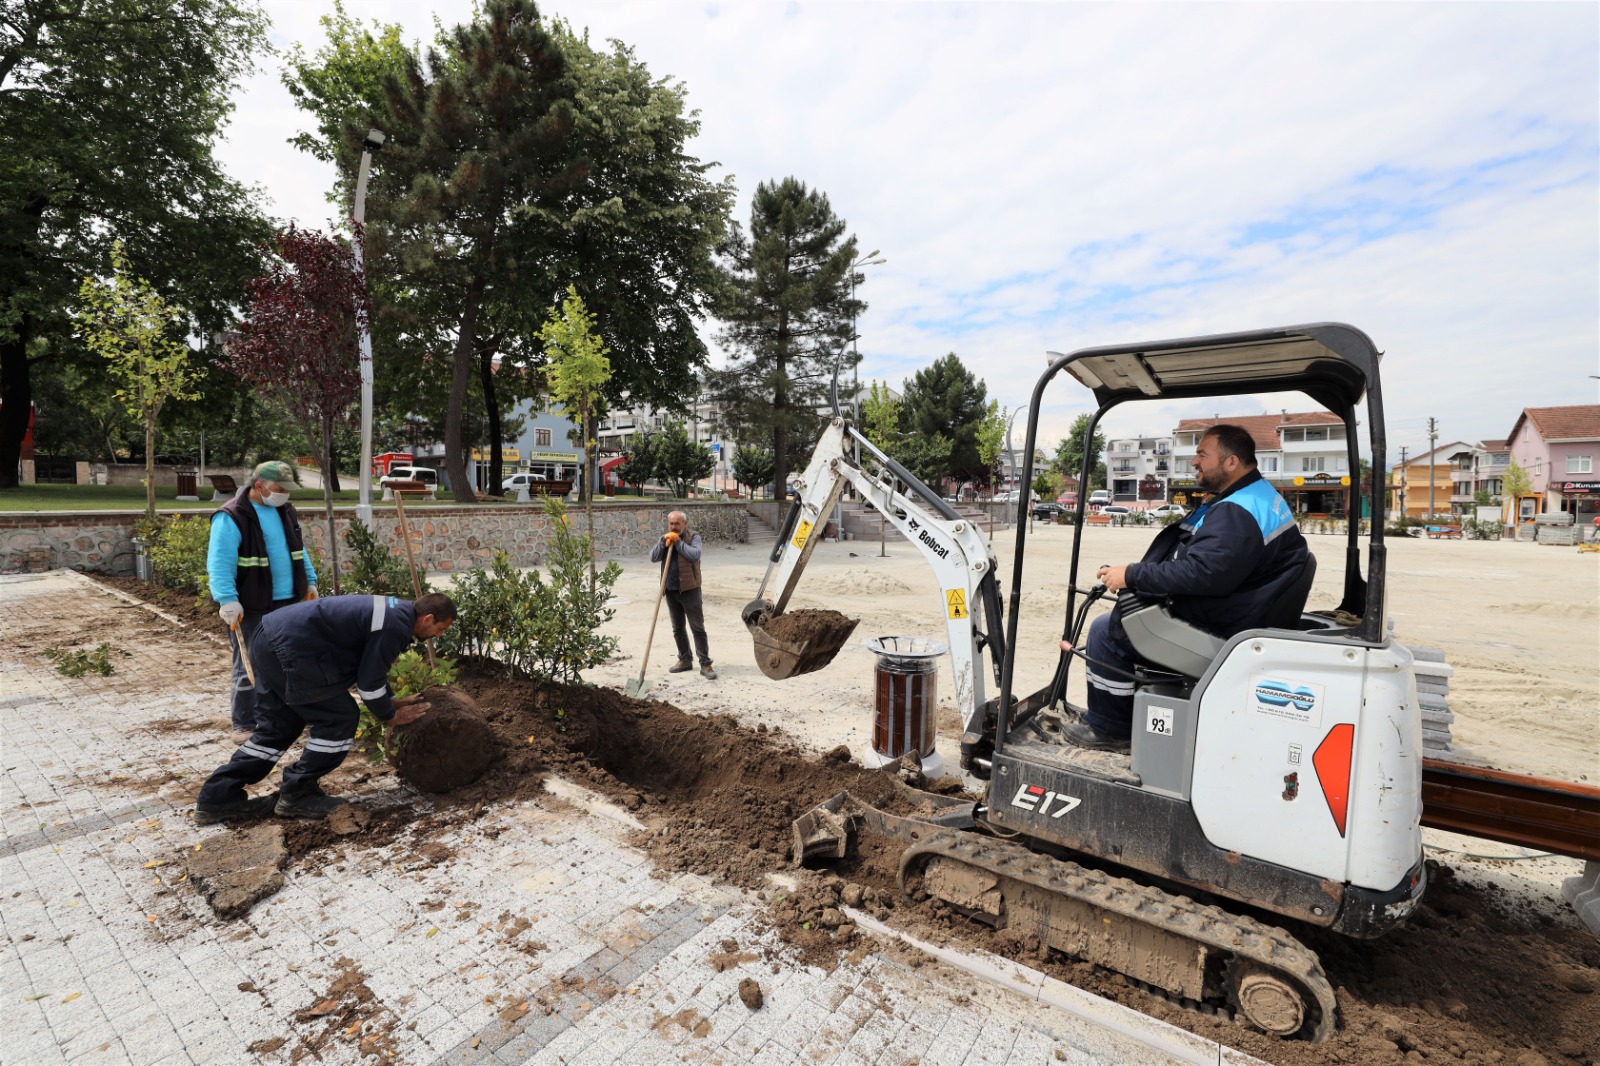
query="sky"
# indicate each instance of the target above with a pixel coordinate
(1053, 176)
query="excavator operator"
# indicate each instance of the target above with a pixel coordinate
(1222, 567)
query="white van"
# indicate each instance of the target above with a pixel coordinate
(426, 475)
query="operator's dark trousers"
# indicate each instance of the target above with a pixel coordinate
(685, 606)
(1109, 670)
(244, 696)
(277, 726)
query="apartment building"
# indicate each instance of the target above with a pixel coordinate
(1305, 455)
(1409, 483)
(1479, 468)
(1559, 447)
(1139, 468)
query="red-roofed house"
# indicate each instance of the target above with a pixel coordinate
(1304, 455)
(1559, 447)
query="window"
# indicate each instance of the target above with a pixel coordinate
(1316, 434)
(1311, 464)
(1294, 435)
(1269, 463)
(1579, 464)
(541, 438)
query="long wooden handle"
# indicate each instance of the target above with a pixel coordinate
(656, 615)
(411, 561)
(244, 654)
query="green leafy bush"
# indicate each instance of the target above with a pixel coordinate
(541, 627)
(409, 675)
(375, 569)
(80, 662)
(177, 549)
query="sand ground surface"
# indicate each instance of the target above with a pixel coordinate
(1518, 622)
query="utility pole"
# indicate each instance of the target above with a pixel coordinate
(1433, 435)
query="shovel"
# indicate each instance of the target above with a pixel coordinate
(638, 686)
(244, 655)
(411, 561)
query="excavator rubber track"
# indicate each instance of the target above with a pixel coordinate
(1195, 953)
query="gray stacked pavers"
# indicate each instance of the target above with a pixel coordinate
(1433, 688)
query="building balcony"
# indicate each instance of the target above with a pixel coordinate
(1458, 497)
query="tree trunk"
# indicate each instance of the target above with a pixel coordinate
(491, 408)
(327, 501)
(16, 400)
(330, 475)
(455, 458)
(588, 496)
(150, 466)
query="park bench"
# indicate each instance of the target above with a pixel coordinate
(1435, 532)
(407, 488)
(1099, 520)
(223, 487)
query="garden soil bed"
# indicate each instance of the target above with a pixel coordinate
(1475, 976)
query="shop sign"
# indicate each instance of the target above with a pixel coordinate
(1577, 488)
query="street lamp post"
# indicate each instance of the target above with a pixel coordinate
(870, 259)
(373, 142)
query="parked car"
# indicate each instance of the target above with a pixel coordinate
(1048, 509)
(426, 475)
(1100, 496)
(1116, 510)
(1162, 510)
(510, 484)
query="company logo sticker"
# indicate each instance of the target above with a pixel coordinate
(1280, 696)
(1036, 799)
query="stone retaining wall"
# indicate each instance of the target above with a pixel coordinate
(444, 538)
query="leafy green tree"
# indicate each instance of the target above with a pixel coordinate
(1069, 454)
(127, 322)
(1515, 484)
(945, 401)
(579, 371)
(680, 461)
(787, 311)
(109, 111)
(753, 466)
(991, 438)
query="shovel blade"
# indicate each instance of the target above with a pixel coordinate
(638, 686)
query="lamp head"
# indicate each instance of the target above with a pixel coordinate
(374, 140)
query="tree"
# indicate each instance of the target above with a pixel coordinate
(299, 342)
(579, 370)
(944, 401)
(599, 193)
(990, 436)
(787, 309)
(753, 466)
(680, 461)
(1515, 485)
(109, 110)
(128, 323)
(1069, 454)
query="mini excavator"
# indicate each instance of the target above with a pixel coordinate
(1273, 775)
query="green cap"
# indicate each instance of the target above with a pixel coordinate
(275, 471)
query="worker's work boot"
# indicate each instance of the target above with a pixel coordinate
(708, 673)
(311, 803)
(1084, 735)
(237, 811)
(680, 666)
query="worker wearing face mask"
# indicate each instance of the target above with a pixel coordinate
(257, 562)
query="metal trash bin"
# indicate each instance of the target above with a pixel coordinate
(906, 701)
(188, 484)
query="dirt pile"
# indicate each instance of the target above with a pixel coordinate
(799, 627)
(449, 747)
(234, 872)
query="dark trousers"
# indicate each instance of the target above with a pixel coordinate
(1110, 709)
(244, 695)
(278, 725)
(685, 607)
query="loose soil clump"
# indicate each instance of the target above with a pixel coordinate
(233, 872)
(799, 627)
(449, 747)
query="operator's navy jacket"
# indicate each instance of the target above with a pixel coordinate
(327, 645)
(1225, 564)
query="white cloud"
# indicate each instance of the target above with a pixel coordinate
(1051, 175)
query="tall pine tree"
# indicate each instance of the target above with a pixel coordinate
(945, 401)
(787, 312)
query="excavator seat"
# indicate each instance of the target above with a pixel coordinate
(1174, 645)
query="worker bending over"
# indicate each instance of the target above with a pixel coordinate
(306, 658)
(1223, 567)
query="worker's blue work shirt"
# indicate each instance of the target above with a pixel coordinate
(329, 644)
(222, 557)
(1226, 564)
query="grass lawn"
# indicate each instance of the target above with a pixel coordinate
(131, 498)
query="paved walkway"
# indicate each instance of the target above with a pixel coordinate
(536, 935)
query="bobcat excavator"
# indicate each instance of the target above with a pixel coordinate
(1275, 774)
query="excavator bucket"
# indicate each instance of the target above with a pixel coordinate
(781, 659)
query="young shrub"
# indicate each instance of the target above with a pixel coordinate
(177, 548)
(409, 675)
(375, 570)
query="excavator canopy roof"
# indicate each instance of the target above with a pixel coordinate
(1331, 362)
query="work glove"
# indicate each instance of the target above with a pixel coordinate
(231, 612)
(670, 539)
(311, 592)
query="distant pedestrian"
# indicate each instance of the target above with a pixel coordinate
(307, 656)
(256, 563)
(683, 593)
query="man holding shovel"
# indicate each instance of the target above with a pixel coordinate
(682, 591)
(256, 562)
(307, 656)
